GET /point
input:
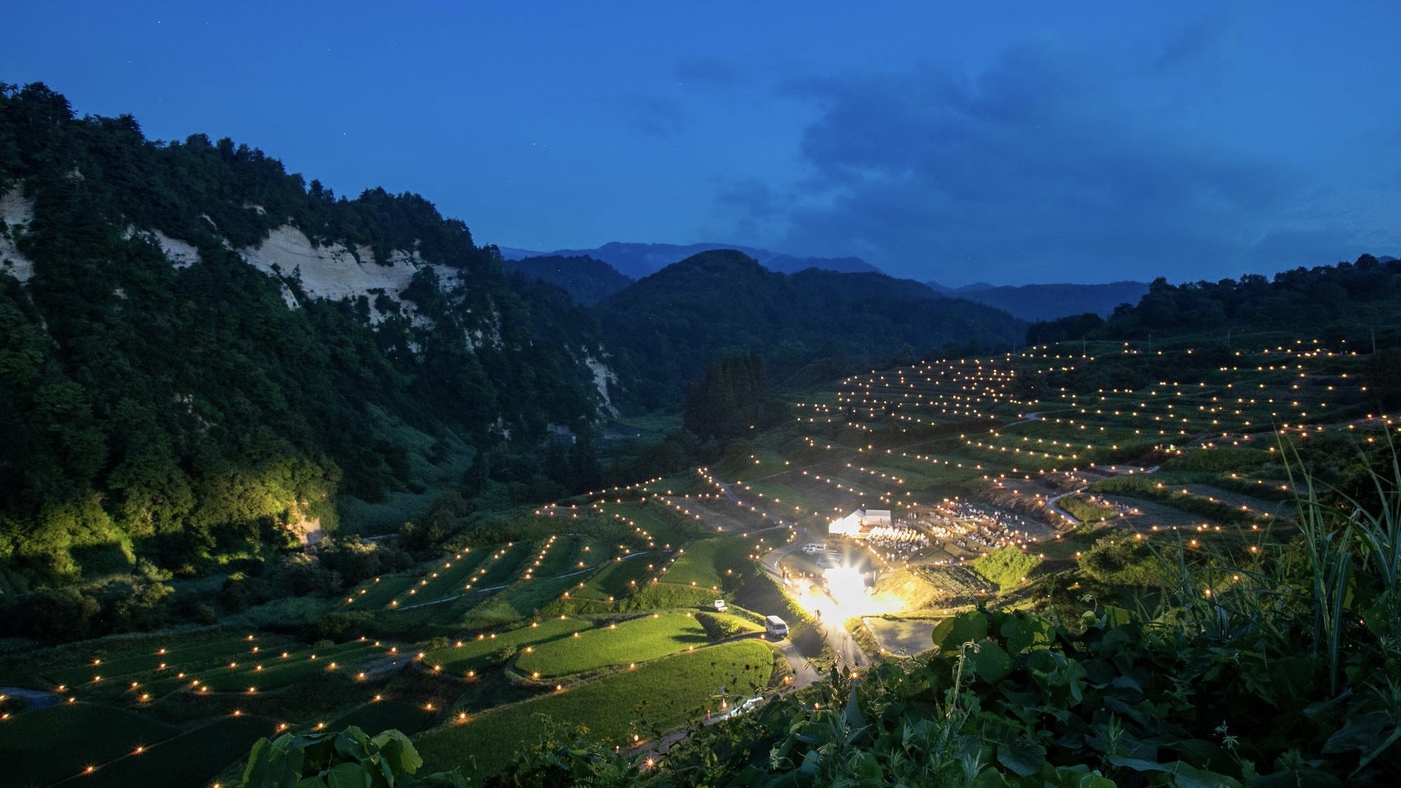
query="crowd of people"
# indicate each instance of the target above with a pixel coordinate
(897, 542)
(973, 527)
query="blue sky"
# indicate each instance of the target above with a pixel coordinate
(1007, 142)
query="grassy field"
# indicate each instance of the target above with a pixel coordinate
(651, 523)
(272, 670)
(709, 563)
(188, 759)
(639, 640)
(118, 662)
(477, 654)
(934, 586)
(44, 746)
(376, 717)
(664, 694)
(617, 579)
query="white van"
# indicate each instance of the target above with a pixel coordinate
(775, 627)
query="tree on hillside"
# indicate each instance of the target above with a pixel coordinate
(731, 399)
(1383, 376)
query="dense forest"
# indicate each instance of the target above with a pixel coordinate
(1343, 301)
(585, 279)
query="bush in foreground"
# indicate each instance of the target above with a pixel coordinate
(347, 758)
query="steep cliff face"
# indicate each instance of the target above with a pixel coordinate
(15, 215)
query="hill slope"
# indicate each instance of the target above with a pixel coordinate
(665, 327)
(199, 350)
(636, 260)
(585, 279)
(1048, 302)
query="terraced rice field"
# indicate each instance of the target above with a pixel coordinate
(469, 656)
(665, 694)
(627, 643)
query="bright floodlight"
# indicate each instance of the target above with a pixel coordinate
(847, 587)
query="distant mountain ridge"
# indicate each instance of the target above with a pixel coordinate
(1048, 302)
(636, 260)
(665, 328)
(585, 279)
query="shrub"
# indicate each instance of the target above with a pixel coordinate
(335, 759)
(1122, 561)
(1006, 566)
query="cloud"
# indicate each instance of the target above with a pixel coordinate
(1206, 39)
(755, 211)
(1056, 163)
(710, 72)
(654, 116)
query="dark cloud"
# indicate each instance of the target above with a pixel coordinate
(1286, 248)
(710, 72)
(752, 209)
(1051, 165)
(654, 116)
(1205, 39)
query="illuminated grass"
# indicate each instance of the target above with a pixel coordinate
(476, 654)
(380, 591)
(504, 563)
(639, 640)
(47, 745)
(188, 759)
(374, 718)
(616, 580)
(705, 563)
(659, 523)
(780, 498)
(278, 671)
(125, 663)
(665, 694)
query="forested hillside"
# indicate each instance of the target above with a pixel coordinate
(1354, 301)
(174, 396)
(585, 279)
(635, 260)
(1048, 302)
(664, 329)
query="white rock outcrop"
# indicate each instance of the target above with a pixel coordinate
(334, 273)
(16, 212)
(602, 376)
(180, 253)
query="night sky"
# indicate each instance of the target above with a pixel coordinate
(1007, 142)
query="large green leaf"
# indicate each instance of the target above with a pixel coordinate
(1363, 733)
(346, 775)
(396, 750)
(1022, 633)
(991, 662)
(1023, 757)
(352, 744)
(1184, 774)
(952, 633)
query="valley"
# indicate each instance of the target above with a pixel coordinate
(598, 611)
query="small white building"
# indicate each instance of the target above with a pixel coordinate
(856, 524)
(847, 526)
(874, 517)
